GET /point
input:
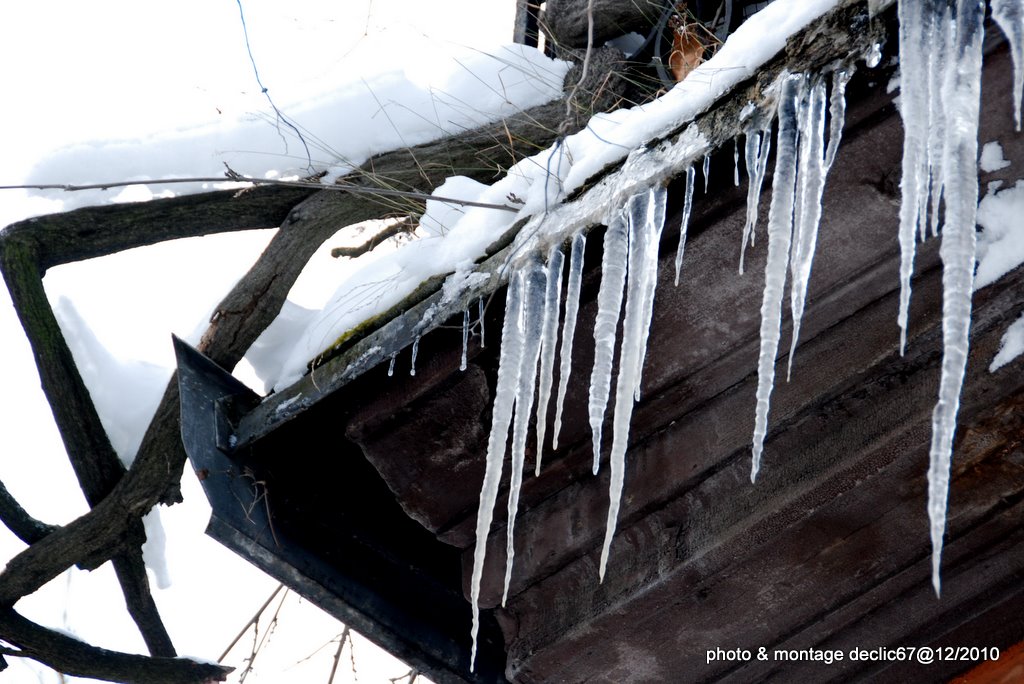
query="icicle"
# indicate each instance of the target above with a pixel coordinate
(780, 227)
(415, 351)
(609, 303)
(812, 173)
(707, 171)
(509, 361)
(535, 279)
(391, 366)
(810, 183)
(922, 46)
(552, 305)
(938, 58)
(736, 162)
(874, 57)
(655, 223)
(758, 144)
(687, 206)
(480, 317)
(1009, 14)
(465, 338)
(644, 231)
(572, 307)
(961, 93)
(836, 113)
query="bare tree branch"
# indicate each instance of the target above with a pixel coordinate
(138, 599)
(96, 231)
(253, 620)
(232, 177)
(92, 457)
(405, 225)
(18, 521)
(71, 656)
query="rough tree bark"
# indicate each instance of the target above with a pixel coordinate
(118, 498)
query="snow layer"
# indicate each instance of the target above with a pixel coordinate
(126, 394)
(607, 139)
(1011, 347)
(991, 158)
(444, 91)
(1001, 241)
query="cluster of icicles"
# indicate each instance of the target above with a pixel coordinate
(940, 51)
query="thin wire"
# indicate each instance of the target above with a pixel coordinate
(265, 91)
(233, 177)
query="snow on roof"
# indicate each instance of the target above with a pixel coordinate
(543, 181)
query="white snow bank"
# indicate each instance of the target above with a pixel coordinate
(126, 395)
(1001, 241)
(444, 90)
(1011, 347)
(991, 157)
(542, 180)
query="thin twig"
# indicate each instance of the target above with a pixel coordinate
(238, 178)
(342, 640)
(404, 225)
(586, 63)
(254, 619)
(266, 91)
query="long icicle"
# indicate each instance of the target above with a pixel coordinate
(758, 145)
(501, 416)
(655, 217)
(780, 228)
(552, 305)
(685, 222)
(644, 232)
(535, 280)
(465, 339)
(1009, 14)
(813, 171)
(809, 184)
(609, 305)
(916, 35)
(961, 94)
(572, 307)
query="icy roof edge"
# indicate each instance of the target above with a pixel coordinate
(840, 36)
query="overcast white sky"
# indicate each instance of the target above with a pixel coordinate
(121, 69)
